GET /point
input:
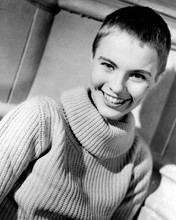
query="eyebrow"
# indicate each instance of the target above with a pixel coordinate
(115, 65)
(108, 60)
(143, 71)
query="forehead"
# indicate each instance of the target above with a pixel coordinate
(128, 51)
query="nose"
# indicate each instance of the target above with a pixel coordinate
(118, 85)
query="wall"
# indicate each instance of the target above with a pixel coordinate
(24, 30)
(15, 21)
(66, 61)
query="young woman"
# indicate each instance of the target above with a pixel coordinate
(78, 157)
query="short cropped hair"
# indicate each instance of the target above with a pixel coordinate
(142, 22)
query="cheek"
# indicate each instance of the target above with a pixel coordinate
(94, 80)
(97, 78)
(138, 91)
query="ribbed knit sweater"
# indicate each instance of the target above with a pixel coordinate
(60, 159)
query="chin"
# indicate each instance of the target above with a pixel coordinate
(110, 115)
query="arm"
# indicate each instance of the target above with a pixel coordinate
(138, 187)
(21, 134)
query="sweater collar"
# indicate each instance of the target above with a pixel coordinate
(96, 135)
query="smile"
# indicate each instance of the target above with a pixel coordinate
(114, 101)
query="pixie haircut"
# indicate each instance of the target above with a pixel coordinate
(142, 22)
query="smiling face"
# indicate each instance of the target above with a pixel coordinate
(123, 72)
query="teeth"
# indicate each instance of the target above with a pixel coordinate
(112, 99)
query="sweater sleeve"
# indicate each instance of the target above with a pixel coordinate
(22, 133)
(139, 184)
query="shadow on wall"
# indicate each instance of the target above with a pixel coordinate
(153, 106)
(151, 114)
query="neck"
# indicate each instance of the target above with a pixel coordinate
(102, 138)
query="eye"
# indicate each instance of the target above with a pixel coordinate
(108, 66)
(138, 77)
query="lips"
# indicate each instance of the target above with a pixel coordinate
(114, 101)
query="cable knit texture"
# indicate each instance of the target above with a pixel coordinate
(59, 159)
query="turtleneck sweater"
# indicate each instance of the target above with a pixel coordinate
(60, 159)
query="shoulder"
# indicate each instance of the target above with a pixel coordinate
(42, 102)
(46, 109)
(36, 111)
(36, 105)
